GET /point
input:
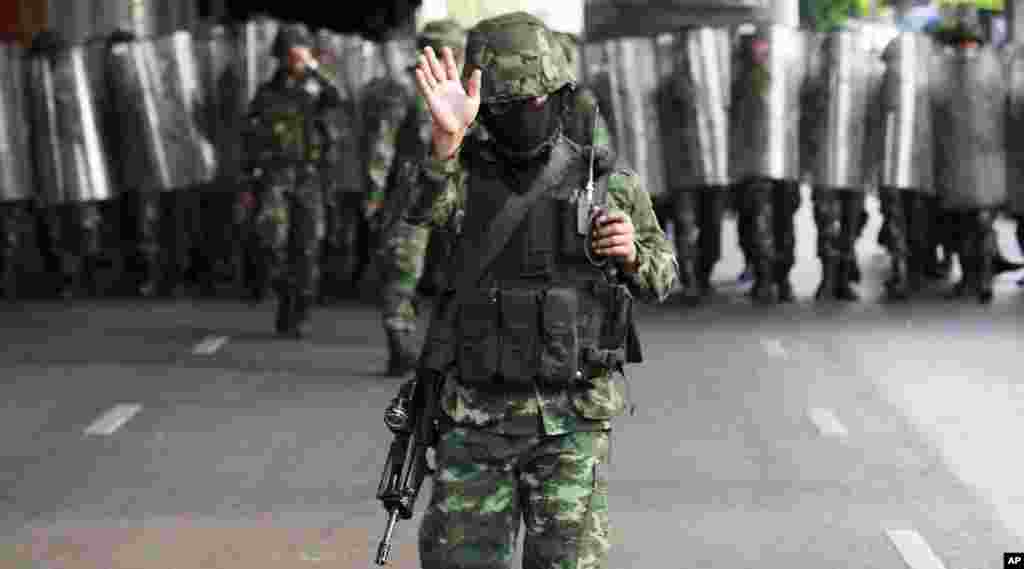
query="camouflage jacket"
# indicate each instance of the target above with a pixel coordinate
(286, 129)
(386, 103)
(444, 192)
(411, 143)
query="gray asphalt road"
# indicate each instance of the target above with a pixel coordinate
(803, 436)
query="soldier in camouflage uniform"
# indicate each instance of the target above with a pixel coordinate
(287, 140)
(405, 253)
(529, 392)
(402, 255)
(385, 104)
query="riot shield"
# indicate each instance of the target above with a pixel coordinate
(343, 161)
(16, 182)
(156, 84)
(634, 76)
(71, 156)
(764, 133)
(969, 124)
(256, 61)
(1015, 130)
(836, 119)
(220, 120)
(906, 113)
(695, 108)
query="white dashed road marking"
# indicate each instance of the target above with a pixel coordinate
(113, 420)
(827, 422)
(209, 345)
(773, 347)
(914, 549)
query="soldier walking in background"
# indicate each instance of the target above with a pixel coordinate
(402, 255)
(287, 138)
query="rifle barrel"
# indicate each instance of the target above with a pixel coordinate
(384, 549)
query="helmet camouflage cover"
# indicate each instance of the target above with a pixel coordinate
(443, 33)
(518, 57)
(570, 45)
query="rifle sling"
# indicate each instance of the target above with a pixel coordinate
(508, 219)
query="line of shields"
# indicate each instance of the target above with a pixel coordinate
(121, 158)
(709, 108)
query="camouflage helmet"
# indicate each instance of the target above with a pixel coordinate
(289, 36)
(571, 46)
(519, 58)
(443, 33)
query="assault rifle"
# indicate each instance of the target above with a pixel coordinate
(412, 417)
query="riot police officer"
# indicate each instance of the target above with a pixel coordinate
(764, 144)
(694, 108)
(971, 159)
(837, 131)
(286, 145)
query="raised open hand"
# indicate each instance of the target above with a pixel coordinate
(452, 108)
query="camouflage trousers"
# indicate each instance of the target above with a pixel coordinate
(486, 483)
(909, 219)
(766, 215)
(402, 259)
(837, 216)
(291, 227)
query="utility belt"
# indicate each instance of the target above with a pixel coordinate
(516, 337)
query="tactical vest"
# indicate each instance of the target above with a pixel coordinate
(543, 312)
(290, 134)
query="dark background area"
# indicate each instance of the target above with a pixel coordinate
(377, 19)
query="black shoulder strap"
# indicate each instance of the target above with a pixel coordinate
(508, 219)
(601, 191)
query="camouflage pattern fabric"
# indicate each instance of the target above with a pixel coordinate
(527, 454)
(558, 412)
(528, 63)
(486, 483)
(386, 104)
(288, 141)
(403, 253)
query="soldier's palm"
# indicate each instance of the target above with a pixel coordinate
(451, 106)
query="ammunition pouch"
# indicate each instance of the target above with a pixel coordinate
(554, 337)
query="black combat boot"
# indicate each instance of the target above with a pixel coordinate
(844, 290)
(283, 320)
(302, 325)
(986, 274)
(401, 354)
(854, 271)
(785, 288)
(829, 271)
(705, 280)
(764, 291)
(897, 284)
(690, 292)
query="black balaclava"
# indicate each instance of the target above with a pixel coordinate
(522, 130)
